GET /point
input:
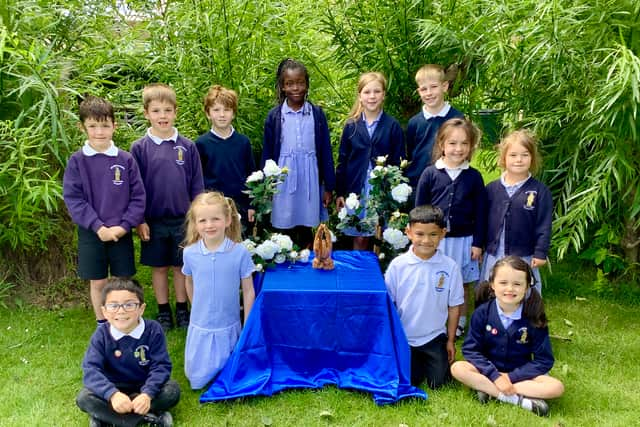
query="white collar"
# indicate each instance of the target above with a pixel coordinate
(157, 140)
(223, 137)
(89, 151)
(441, 165)
(415, 259)
(442, 113)
(136, 333)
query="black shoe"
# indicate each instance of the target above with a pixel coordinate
(538, 406)
(163, 420)
(483, 397)
(182, 318)
(94, 422)
(165, 320)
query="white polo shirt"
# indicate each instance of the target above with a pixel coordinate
(423, 291)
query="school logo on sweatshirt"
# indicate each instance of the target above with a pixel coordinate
(141, 355)
(180, 151)
(442, 278)
(531, 199)
(117, 171)
(524, 335)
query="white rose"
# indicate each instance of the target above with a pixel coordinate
(381, 160)
(401, 192)
(259, 267)
(381, 256)
(280, 258)
(293, 255)
(396, 214)
(342, 214)
(267, 250)
(283, 241)
(304, 255)
(250, 245)
(333, 237)
(352, 202)
(376, 171)
(395, 238)
(271, 168)
(255, 176)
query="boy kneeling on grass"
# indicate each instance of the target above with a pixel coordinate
(127, 367)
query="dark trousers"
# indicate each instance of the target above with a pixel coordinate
(301, 235)
(99, 408)
(430, 361)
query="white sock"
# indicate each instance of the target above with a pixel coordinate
(462, 321)
(509, 398)
(526, 404)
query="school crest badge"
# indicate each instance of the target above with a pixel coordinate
(524, 335)
(442, 280)
(531, 200)
(141, 355)
(180, 150)
(117, 170)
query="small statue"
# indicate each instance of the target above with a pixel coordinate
(322, 247)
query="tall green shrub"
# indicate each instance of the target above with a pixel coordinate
(570, 70)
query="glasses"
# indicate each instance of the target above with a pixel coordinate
(112, 307)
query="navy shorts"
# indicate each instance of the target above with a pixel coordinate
(163, 248)
(96, 259)
(430, 361)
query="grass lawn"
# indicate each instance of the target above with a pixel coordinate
(41, 351)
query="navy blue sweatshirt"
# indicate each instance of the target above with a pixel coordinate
(142, 364)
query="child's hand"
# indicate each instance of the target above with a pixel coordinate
(121, 403)
(118, 231)
(141, 404)
(339, 202)
(451, 351)
(105, 234)
(326, 199)
(251, 215)
(504, 384)
(143, 232)
(537, 262)
(476, 253)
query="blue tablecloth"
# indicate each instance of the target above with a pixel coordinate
(312, 327)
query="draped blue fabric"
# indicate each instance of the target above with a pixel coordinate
(313, 327)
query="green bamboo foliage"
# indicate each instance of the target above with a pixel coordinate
(570, 70)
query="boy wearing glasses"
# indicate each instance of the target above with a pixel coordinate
(127, 366)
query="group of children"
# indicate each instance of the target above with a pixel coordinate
(168, 181)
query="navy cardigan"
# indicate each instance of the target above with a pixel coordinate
(463, 201)
(492, 349)
(272, 142)
(357, 150)
(527, 218)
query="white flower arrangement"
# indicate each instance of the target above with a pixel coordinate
(277, 249)
(349, 217)
(262, 186)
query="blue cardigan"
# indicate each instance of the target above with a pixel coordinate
(527, 217)
(463, 201)
(523, 351)
(421, 135)
(272, 142)
(357, 150)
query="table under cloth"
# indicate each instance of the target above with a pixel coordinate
(309, 328)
